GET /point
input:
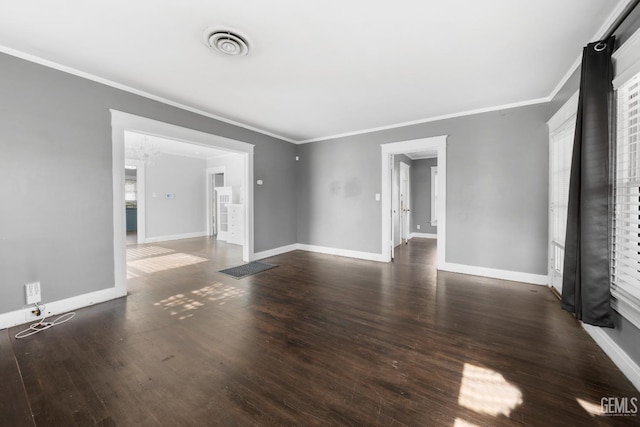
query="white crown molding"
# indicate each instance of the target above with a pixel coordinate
(430, 119)
(414, 157)
(566, 77)
(51, 64)
(566, 112)
(602, 31)
(116, 85)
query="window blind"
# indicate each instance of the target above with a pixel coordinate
(561, 150)
(626, 225)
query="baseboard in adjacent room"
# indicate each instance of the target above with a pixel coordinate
(423, 235)
(175, 237)
(319, 249)
(342, 252)
(534, 279)
(273, 252)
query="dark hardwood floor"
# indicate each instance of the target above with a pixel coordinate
(319, 340)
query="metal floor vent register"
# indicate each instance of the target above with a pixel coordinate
(249, 269)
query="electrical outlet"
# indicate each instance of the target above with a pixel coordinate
(32, 292)
(29, 315)
(418, 226)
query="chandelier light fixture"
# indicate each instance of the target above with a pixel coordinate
(144, 151)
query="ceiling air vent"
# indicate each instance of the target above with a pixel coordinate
(227, 42)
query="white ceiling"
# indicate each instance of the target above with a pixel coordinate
(317, 69)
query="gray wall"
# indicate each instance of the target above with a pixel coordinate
(421, 196)
(233, 174)
(56, 219)
(337, 183)
(497, 189)
(185, 177)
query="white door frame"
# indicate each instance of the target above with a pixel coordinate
(405, 217)
(395, 204)
(210, 173)
(141, 233)
(121, 122)
(438, 143)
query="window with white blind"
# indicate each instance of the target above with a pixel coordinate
(561, 146)
(130, 190)
(625, 285)
(561, 133)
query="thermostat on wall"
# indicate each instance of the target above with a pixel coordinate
(169, 196)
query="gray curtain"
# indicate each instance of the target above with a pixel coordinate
(586, 278)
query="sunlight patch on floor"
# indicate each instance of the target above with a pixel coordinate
(183, 306)
(487, 392)
(179, 305)
(165, 262)
(593, 409)
(219, 292)
(462, 423)
(146, 251)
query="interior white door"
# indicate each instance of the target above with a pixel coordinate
(216, 181)
(223, 198)
(405, 202)
(395, 205)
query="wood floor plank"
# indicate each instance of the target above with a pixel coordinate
(319, 340)
(14, 405)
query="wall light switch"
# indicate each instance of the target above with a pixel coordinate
(377, 197)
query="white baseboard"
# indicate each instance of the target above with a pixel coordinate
(175, 237)
(319, 249)
(423, 235)
(342, 252)
(621, 359)
(534, 279)
(273, 252)
(18, 317)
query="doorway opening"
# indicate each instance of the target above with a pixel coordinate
(397, 223)
(131, 202)
(126, 126)
(215, 184)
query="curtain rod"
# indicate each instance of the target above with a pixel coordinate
(624, 15)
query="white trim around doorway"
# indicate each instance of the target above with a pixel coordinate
(438, 144)
(121, 122)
